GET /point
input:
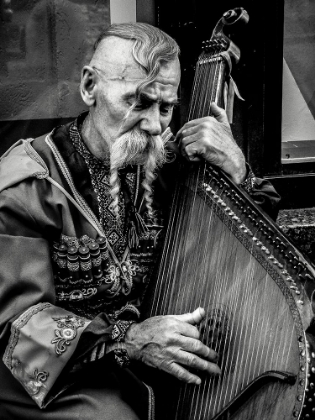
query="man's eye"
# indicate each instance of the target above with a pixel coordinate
(166, 109)
(141, 105)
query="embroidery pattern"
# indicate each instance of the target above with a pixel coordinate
(120, 329)
(36, 382)
(33, 383)
(67, 332)
(100, 174)
(98, 277)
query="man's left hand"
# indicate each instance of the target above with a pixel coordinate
(211, 138)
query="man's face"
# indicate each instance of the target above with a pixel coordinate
(116, 110)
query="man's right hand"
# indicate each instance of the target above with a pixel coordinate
(171, 343)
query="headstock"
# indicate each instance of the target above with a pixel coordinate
(219, 41)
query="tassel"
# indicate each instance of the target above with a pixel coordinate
(140, 225)
(133, 238)
(230, 89)
(137, 229)
(229, 104)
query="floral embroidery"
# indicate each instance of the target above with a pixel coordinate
(121, 281)
(67, 331)
(33, 383)
(37, 382)
(130, 271)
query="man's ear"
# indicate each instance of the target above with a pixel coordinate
(87, 86)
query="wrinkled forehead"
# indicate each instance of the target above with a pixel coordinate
(114, 57)
(165, 85)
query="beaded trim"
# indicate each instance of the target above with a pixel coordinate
(308, 411)
(120, 329)
(35, 156)
(17, 325)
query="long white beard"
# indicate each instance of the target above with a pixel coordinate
(138, 148)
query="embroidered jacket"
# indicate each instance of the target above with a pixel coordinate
(67, 268)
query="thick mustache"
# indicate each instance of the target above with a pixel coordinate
(134, 147)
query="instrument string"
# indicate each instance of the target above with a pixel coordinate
(243, 326)
(192, 230)
(211, 74)
(201, 232)
(265, 321)
(216, 248)
(202, 95)
(252, 298)
(220, 314)
(258, 339)
(191, 183)
(196, 92)
(250, 308)
(174, 267)
(194, 98)
(201, 92)
(218, 294)
(212, 294)
(207, 88)
(229, 297)
(168, 255)
(226, 310)
(192, 285)
(175, 251)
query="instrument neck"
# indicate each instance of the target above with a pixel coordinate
(208, 86)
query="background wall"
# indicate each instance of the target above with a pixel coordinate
(43, 47)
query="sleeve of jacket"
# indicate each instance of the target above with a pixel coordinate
(265, 195)
(262, 192)
(39, 336)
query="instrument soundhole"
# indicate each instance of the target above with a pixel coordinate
(215, 331)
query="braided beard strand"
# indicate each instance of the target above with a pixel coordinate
(136, 147)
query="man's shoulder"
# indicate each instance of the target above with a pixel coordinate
(30, 158)
(21, 162)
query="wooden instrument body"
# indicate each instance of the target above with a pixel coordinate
(223, 254)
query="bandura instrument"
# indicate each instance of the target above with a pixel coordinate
(224, 254)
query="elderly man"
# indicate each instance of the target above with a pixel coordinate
(81, 230)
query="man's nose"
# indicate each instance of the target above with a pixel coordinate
(151, 122)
